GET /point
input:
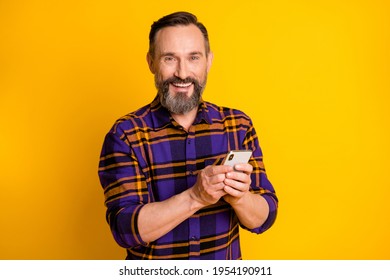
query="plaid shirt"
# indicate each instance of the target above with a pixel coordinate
(148, 157)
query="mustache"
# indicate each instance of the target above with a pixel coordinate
(181, 81)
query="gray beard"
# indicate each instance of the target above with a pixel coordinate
(180, 103)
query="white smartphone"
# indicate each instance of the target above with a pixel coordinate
(237, 156)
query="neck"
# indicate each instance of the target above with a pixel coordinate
(187, 119)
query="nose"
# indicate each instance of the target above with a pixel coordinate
(181, 70)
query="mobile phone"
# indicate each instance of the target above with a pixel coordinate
(237, 156)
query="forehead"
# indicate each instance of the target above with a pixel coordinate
(180, 39)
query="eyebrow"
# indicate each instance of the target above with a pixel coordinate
(197, 52)
(173, 54)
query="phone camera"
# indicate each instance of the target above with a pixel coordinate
(231, 157)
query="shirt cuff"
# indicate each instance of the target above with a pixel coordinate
(273, 206)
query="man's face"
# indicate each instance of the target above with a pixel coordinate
(180, 65)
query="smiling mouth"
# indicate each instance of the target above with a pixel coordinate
(182, 85)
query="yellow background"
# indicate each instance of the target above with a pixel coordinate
(313, 75)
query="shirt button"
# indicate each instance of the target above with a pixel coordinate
(189, 142)
(193, 238)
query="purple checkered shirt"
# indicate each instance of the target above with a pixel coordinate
(147, 156)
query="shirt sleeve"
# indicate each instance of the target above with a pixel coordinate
(260, 182)
(125, 188)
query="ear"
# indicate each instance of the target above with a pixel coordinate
(210, 58)
(150, 61)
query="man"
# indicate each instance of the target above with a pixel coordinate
(167, 195)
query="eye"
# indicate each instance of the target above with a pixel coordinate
(169, 58)
(195, 57)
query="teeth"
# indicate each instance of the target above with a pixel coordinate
(182, 85)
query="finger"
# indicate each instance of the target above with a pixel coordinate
(213, 170)
(244, 167)
(239, 176)
(217, 179)
(217, 187)
(239, 186)
(216, 195)
(233, 192)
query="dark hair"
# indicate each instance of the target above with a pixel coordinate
(174, 19)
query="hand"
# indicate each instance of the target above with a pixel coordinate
(237, 183)
(209, 187)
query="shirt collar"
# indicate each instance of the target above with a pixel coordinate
(162, 118)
